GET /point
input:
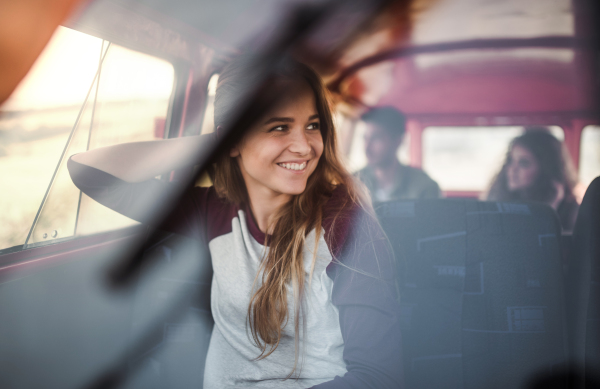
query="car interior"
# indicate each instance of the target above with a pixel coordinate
(493, 294)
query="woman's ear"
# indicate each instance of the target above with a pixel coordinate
(234, 152)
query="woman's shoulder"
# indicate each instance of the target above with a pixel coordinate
(344, 217)
(209, 201)
(342, 205)
(567, 213)
(206, 194)
(340, 199)
(355, 237)
(216, 212)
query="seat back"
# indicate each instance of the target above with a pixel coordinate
(583, 287)
(429, 242)
(481, 287)
(181, 278)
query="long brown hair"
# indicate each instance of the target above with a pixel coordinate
(282, 263)
(555, 166)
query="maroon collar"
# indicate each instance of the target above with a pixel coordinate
(256, 233)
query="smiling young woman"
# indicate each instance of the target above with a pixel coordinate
(304, 280)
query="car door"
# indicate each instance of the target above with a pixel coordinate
(66, 323)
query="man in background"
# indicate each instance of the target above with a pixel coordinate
(385, 177)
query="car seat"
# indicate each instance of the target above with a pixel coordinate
(481, 291)
(583, 283)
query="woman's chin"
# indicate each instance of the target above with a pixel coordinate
(514, 187)
(293, 189)
(295, 192)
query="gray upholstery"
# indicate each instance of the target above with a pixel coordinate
(481, 288)
(583, 291)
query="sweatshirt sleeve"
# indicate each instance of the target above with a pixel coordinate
(365, 293)
(146, 202)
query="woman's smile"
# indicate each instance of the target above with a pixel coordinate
(297, 167)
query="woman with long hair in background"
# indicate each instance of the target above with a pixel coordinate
(303, 292)
(538, 168)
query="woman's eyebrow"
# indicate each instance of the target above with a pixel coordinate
(279, 119)
(287, 119)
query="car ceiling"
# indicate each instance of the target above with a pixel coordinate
(174, 28)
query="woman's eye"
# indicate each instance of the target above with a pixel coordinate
(278, 128)
(313, 126)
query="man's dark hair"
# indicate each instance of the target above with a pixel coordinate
(388, 118)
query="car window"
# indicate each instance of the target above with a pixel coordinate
(36, 122)
(209, 113)
(127, 100)
(589, 156)
(467, 158)
(208, 122)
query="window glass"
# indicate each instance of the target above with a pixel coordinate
(467, 158)
(133, 97)
(344, 129)
(208, 123)
(127, 97)
(35, 124)
(589, 157)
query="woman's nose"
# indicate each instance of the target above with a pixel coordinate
(512, 169)
(300, 142)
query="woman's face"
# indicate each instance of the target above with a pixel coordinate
(523, 169)
(282, 150)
